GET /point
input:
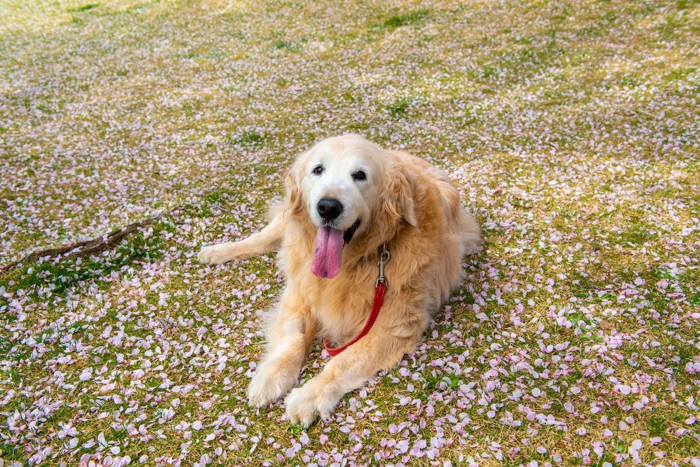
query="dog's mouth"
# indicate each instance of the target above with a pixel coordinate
(328, 250)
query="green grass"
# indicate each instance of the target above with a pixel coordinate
(250, 137)
(571, 130)
(405, 19)
(86, 7)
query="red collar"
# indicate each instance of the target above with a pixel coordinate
(380, 287)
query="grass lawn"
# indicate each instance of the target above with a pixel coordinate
(570, 127)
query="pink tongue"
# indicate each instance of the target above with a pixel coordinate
(328, 252)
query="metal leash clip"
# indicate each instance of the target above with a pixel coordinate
(384, 258)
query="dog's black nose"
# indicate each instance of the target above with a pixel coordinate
(329, 208)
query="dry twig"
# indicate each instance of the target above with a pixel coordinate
(88, 247)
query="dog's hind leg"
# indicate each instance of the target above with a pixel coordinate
(265, 241)
(470, 233)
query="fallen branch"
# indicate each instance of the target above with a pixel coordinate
(88, 247)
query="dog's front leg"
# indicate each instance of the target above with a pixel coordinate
(268, 239)
(289, 338)
(379, 349)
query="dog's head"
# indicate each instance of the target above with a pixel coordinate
(349, 188)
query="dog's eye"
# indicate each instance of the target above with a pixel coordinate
(318, 170)
(359, 176)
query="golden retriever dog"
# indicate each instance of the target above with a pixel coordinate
(348, 199)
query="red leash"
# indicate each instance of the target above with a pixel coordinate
(380, 288)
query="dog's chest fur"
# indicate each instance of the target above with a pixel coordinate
(339, 306)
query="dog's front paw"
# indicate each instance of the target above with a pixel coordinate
(216, 254)
(268, 386)
(307, 403)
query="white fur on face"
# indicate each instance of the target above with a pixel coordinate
(340, 158)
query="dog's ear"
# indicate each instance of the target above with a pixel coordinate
(295, 199)
(294, 203)
(398, 203)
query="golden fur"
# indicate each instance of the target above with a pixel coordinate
(407, 204)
